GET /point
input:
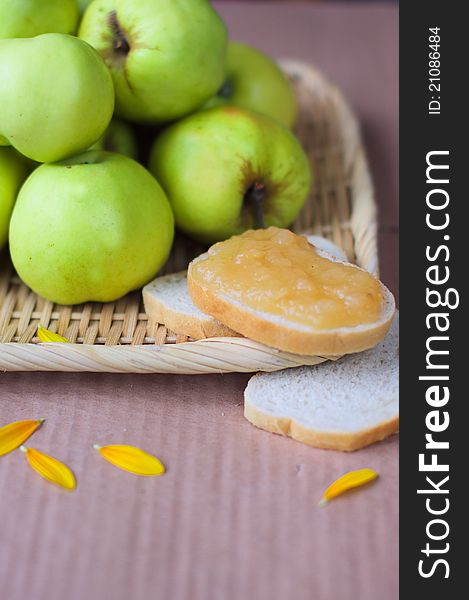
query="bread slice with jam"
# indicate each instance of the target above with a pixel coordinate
(274, 287)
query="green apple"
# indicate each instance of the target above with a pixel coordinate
(167, 58)
(56, 96)
(92, 227)
(28, 18)
(226, 170)
(118, 137)
(255, 82)
(13, 172)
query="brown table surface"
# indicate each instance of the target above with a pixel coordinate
(236, 516)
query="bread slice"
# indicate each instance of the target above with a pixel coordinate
(326, 246)
(342, 405)
(284, 334)
(167, 301)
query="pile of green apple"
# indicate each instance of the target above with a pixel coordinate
(86, 221)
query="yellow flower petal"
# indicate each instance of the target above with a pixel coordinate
(48, 336)
(15, 434)
(347, 482)
(132, 459)
(50, 468)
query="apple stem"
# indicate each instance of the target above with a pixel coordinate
(120, 45)
(255, 196)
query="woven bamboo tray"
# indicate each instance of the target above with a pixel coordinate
(118, 336)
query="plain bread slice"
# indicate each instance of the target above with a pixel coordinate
(167, 301)
(342, 405)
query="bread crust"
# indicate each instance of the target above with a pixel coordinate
(322, 342)
(183, 324)
(331, 440)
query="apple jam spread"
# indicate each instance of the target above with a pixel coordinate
(278, 272)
